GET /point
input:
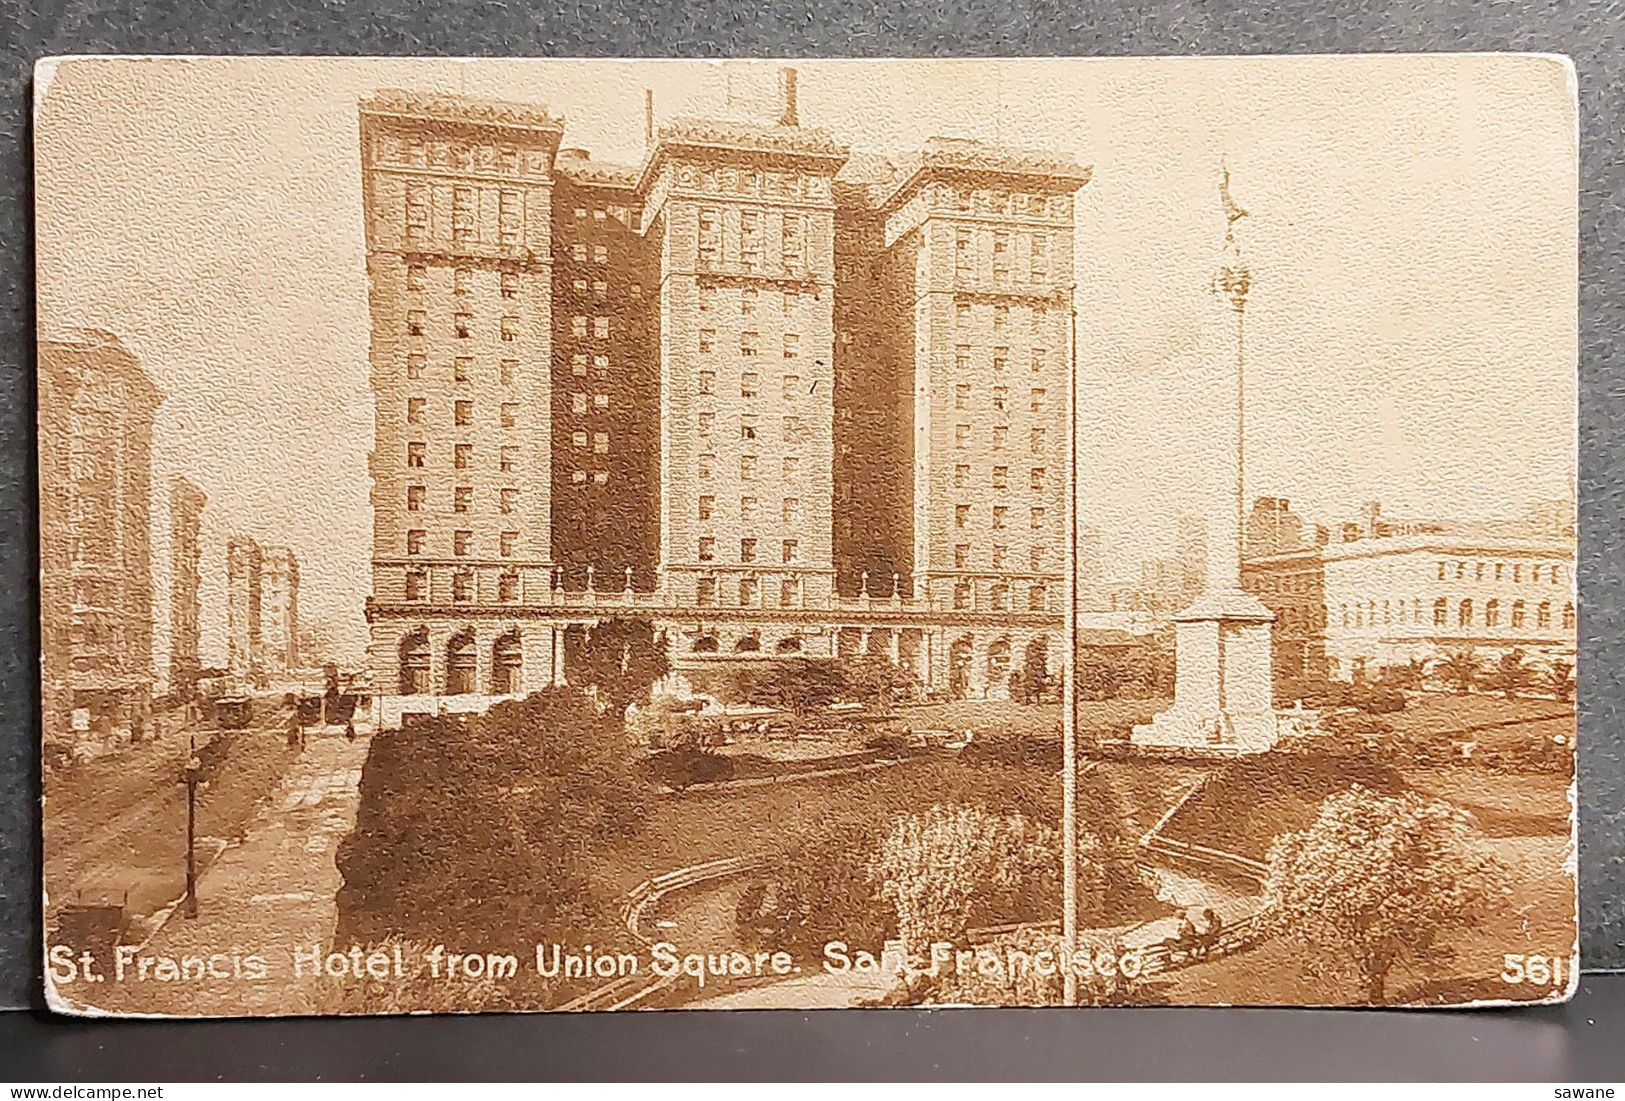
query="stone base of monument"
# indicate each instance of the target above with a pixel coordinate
(1224, 682)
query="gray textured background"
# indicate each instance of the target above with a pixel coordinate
(1587, 32)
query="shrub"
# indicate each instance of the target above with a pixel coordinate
(1378, 700)
(1379, 881)
(822, 889)
(954, 868)
(680, 768)
(482, 829)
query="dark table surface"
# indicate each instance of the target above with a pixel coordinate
(1578, 1043)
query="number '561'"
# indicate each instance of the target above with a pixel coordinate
(1518, 969)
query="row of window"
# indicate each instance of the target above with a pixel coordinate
(465, 213)
(600, 213)
(1037, 397)
(750, 249)
(750, 343)
(1000, 439)
(1549, 573)
(462, 325)
(462, 586)
(462, 368)
(462, 499)
(998, 596)
(1000, 518)
(750, 592)
(1033, 267)
(751, 300)
(580, 251)
(996, 201)
(462, 456)
(1465, 614)
(965, 316)
(789, 508)
(1038, 360)
(599, 289)
(1037, 477)
(462, 280)
(789, 550)
(462, 542)
(999, 559)
(790, 428)
(462, 412)
(750, 384)
(705, 466)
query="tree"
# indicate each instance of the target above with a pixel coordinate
(1405, 678)
(878, 681)
(487, 829)
(1459, 668)
(1559, 680)
(1512, 674)
(1380, 881)
(799, 686)
(957, 867)
(621, 659)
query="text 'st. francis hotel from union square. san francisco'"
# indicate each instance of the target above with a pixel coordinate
(779, 397)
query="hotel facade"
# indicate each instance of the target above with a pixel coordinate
(773, 396)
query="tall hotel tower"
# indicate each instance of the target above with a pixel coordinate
(458, 205)
(770, 395)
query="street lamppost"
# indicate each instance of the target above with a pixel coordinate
(191, 777)
(1069, 681)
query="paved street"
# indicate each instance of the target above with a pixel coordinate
(115, 827)
(269, 894)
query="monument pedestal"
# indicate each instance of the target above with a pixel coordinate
(1224, 683)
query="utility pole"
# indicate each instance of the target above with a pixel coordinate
(190, 777)
(1069, 682)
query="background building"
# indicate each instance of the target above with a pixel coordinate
(1420, 590)
(245, 646)
(186, 502)
(96, 410)
(279, 610)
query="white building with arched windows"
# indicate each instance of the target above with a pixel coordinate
(1349, 609)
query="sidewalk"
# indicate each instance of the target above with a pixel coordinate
(269, 894)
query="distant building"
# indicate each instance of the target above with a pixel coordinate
(186, 502)
(1273, 528)
(96, 411)
(279, 609)
(1192, 556)
(245, 653)
(1350, 608)
(1093, 593)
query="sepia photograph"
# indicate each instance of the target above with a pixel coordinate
(675, 534)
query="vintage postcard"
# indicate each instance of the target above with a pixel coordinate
(672, 534)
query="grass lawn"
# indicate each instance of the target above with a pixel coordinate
(1518, 804)
(1483, 718)
(1001, 718)
(701, 826)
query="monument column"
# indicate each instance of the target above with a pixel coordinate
(1224, 683)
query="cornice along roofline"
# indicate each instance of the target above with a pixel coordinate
(971, 156)
(467, 110)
